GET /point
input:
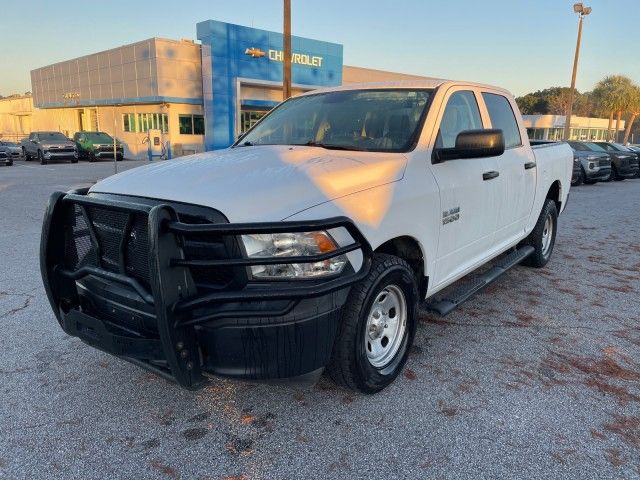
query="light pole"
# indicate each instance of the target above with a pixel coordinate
(286, 87)
(582, 12)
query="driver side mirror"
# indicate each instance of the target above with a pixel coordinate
(473, 144)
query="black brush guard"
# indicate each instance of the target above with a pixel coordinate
(171, 295)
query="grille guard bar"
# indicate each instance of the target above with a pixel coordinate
(173, 292)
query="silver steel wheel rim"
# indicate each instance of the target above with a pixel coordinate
(386, 326)
(547, 235)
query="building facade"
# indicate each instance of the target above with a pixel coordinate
(195, 96)
(551, 127)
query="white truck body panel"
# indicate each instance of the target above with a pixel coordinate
(387, 195)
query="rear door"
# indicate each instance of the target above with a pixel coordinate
(468, 191)
(517, 169)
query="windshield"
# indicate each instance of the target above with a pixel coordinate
(51, 136)
(594, 147)
(370, 120)
(99, 137)
(579, 146)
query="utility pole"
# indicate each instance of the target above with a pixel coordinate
(286, 87)
(115, 155)
(582, 11)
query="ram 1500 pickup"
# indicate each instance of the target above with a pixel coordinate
(49, 146)
(307, 245)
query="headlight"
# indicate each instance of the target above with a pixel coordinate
(285, 245)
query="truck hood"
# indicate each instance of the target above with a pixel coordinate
(259, 183)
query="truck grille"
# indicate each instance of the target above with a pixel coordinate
(127, 232)
(62, 150)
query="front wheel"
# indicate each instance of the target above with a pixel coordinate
(579, 179)
(377, 327)
(543, 236)
(43, 161)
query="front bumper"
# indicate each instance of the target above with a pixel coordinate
(54, 155)
(108, 154)
(270, 331)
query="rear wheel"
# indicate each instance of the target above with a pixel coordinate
(543, 236)
(377, 328)
(43, 161)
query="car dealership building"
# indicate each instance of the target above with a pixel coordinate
(194, 96)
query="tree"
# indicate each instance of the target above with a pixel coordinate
(633, 108)
(554, 101)
(612, 98)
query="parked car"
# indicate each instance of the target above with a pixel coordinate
(307, 244)
(594, 167)
(5, 156)
(9, 152)
(577, 176)
(624, 162)
(97, 145)
(49, 146)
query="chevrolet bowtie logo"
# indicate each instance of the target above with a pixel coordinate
(254, 52)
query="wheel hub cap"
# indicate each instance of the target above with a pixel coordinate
(386, 326)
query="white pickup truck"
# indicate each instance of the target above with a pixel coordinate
(308, 244)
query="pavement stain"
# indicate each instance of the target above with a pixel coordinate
(163, 469)
(239, 446)
(562, 456)
(196, 433)
(627, 428)
(615, 457)
(410, 374)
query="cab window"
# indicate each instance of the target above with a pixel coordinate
(502, 117)
(460, 114)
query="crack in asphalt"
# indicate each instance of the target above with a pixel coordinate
(13, 311)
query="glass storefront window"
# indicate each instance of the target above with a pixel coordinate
(142, 122)
(248, 118)
(191, 124)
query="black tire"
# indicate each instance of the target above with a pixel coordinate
(613, 175)
(350, 365)
(43, 161)
(541, 255)
(74, 160)
(91, 157)
(25, 155)
(580, 179)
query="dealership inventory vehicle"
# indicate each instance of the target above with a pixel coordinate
(624, 163)
(49, 146)
(307, 244)
(8, 153)
(12, 150)
(97, 145)
(594, 166)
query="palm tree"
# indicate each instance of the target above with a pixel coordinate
(612, 98)
(634, 110)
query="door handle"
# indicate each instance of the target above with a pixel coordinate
(529, 165)
(490, 175)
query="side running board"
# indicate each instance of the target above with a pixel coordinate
(464, 292)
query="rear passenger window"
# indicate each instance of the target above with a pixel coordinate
(502, 117)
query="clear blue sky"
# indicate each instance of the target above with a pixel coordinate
(518, 44)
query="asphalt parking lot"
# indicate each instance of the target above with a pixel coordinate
(537, 377)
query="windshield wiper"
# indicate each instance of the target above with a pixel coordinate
(245, 144)
(330, 146)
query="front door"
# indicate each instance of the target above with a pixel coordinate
(468, 193)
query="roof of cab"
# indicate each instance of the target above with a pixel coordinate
(426, 83)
